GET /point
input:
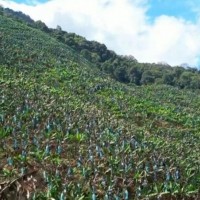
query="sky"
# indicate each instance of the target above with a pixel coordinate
(151, 30)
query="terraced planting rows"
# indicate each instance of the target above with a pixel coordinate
(68, 131)
(82, 136)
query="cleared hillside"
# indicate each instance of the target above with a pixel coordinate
(68, 131)
(23, 46)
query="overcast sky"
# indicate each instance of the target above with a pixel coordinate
(150, 30)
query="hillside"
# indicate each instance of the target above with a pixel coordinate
(125, 69)
(69, 131)
(40, 49)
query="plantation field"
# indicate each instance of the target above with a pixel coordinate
(69, 131)
(84, 136)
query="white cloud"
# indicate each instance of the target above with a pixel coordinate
(123, 26)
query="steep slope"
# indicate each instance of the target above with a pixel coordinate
(125, 69)
(23, 45)
(68, 131)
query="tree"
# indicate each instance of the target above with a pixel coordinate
(178, 71)
(1, 10)
(41, 25)
(195, 82)
(147, 77)
(121, 74)
(135, 75)
(185, 79)
(168, 79)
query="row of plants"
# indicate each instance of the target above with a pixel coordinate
(96, 139)
(68, 131)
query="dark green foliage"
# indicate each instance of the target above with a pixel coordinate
(121, 74)
(185, 79)
(120, 67)
(18, 16)
(147, 77)
(41, 25)
(1, 10)
(168, 79)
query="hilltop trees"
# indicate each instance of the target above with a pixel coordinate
(41, 25)
(1, 10)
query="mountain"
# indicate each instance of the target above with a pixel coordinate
(70, 129)
(125, 69)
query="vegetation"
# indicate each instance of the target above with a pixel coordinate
(70, 131)
(125, 69)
